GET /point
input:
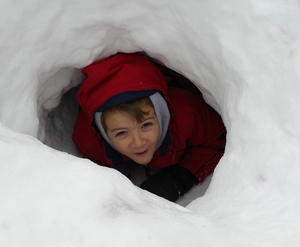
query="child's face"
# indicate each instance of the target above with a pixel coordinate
(135, 140)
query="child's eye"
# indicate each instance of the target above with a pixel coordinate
(147, 125)
(120, 134)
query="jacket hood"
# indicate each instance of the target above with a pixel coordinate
(119, 74)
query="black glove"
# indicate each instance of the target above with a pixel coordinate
(170, 183)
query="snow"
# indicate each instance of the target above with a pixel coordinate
(243, 55)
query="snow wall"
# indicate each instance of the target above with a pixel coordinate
(245, 58)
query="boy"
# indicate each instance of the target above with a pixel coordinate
(130, 116)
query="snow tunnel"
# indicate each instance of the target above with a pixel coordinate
(57, 123)
(242, 55)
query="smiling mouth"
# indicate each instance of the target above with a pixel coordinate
(141, 153)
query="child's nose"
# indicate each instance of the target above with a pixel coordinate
(138, 140)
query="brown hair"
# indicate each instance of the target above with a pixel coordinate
(133, 108)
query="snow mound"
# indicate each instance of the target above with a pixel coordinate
(245, 58)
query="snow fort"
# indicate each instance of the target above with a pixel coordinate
(243, 56)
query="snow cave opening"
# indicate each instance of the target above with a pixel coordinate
(59, 112)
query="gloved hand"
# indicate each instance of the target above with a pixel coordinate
(170, 183)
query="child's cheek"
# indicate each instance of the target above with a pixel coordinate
(121, 146)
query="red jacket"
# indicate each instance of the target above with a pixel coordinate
(196, 132)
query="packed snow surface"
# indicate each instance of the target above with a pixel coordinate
(245, 58)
